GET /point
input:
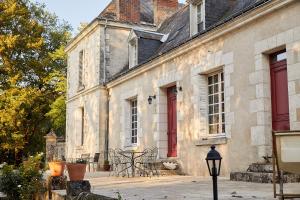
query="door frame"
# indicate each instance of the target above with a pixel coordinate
(277, 66)
(171, 94)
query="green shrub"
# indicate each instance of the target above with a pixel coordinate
(22, 183)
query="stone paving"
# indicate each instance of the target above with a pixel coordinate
(180, 187)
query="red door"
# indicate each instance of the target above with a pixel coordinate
(172, 122)
(279, 92)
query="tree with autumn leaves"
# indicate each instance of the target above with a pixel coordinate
(32, 77)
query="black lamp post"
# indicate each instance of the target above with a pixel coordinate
(213, 161)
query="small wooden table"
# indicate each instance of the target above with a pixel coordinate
(132, 155)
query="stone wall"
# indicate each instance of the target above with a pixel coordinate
(247, 136)
(91, 62)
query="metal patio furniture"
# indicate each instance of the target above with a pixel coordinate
(94, 161)
(286, 158)
(150, 161)
(130, 158)
(118, 164)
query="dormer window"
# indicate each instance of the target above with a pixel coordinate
(133, 52)
(197, 16)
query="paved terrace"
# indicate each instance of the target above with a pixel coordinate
(179, 187)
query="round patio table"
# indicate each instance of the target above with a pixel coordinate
(132, 155)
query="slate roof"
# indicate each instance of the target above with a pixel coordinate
(177, 26)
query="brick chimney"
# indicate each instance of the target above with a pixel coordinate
(164, 9)
(128, 10)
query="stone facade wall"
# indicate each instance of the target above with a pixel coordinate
(94, 104)
(246, 106)
(260, 105)
(116, 47)
(88, 98)
(91, 63)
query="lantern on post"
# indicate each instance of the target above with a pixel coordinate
(213, 161)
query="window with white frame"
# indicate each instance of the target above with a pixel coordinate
(216, 107)
(199, 17)
(80, 67)
(134, 121)
(133, 53)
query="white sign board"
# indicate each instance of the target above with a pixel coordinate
(290, 149)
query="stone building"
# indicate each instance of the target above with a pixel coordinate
(223, 72)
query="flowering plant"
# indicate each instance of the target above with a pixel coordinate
(23, 182)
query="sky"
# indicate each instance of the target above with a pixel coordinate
(76, 11)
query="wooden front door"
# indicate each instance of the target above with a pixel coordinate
(172, 122)
(279, 92)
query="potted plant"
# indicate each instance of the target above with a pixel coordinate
(77, 170)
(106, 165)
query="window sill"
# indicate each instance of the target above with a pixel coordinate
(211, 141)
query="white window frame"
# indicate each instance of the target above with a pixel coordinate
(134, 121)
(194, 5)
(216, 89)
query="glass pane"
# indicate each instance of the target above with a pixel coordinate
(281, 56)
(222, 97)
(213, 129)
(210, 119)
(222, 87)
(210, 99)
(216, 88)
(223, 107)
(223, 117)
(210, 90)
(210, 109)
(278, 57)
(216, 98)
(222, 76)
(209, 80)
(216, 108)
(216, 78)
(216, 119)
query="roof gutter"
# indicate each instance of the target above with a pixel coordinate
(263, 8)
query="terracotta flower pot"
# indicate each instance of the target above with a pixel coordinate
(106, 167)
(57, 168)
(76, 171)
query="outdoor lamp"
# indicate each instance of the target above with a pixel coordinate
(213, 161)
(178, 89)
(150, 98)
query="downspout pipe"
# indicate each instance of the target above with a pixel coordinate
(107, 94)
(104, 55)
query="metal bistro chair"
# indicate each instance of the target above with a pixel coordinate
(149, 162)
(123, 162)
(286, 158)
(112, 161)
(141, 162)
(94, 161)
(117, 162)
